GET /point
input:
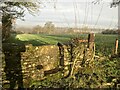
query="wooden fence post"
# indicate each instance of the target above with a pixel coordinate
(91, 40)
(116, 46)
(61, 54)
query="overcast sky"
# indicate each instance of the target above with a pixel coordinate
(71, 13)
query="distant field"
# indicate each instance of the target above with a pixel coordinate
(104, 43)
(42, 39)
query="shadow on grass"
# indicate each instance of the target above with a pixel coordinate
(12, 49)
(13, 69)
(34, 42)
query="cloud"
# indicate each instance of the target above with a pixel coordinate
(64, 13)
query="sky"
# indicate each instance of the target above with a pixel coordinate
(73, 13)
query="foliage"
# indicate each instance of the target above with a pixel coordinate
(114, 3)
(37, 30)
(17, 9)
(49, 27)
(110, 32)
(70, 31)
(11, 10)
(16, 32)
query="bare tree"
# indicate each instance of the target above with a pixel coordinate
(114, 3)
(37, 30)
(49, 27)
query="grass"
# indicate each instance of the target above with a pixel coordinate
(103, 70)
(42, 39)
(104, 43)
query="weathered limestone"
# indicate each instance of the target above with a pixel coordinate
(39, 61)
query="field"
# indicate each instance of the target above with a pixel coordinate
(104, 43)
(103, 73)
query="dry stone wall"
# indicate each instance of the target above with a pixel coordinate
(38, 61)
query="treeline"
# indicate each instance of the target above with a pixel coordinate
(48, 28)
(110, 32)
(16, 32)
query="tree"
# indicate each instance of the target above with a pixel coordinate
(70, 30)
(37, 30)
(11, 10)
(114, 3)
(49, 27)
(110, 31)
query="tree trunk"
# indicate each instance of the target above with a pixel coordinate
(6, 27)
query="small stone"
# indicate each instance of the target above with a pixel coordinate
(48, 57)
(29, 65)
(66, 63)
(33, 71)
(36, 56)
(33, 65)
(25, 63)
(52, 46)
(36, 48)
(66, 68)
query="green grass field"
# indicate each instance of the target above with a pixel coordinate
(104, 43)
